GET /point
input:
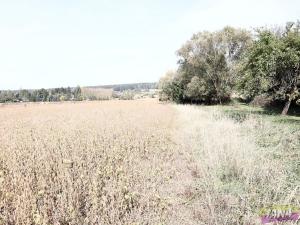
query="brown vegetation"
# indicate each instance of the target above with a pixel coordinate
(140, 162)
(84, 163)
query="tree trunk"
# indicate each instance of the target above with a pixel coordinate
(220, 100)
(286, 107)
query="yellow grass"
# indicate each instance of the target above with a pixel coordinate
(84, 163)
(134, 162)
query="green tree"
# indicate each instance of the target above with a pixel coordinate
(7, 96)
(271, 66)
(171, 87)
(197, 90)
(40, 95)
(77, 93)
(208, 59)
(25, 95)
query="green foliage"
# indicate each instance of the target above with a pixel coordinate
(7, 96)
(170, 87)
(207, 65)
(42, 95)
(77, 93)
(214, 65)
(271, 65)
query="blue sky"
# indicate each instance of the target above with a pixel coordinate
(57, 43)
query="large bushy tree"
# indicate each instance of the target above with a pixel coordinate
(170, 87)
(271, 65)
(207, 66)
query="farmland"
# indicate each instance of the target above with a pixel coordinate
(143, 162)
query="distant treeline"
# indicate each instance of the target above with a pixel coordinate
(133, 86)
(42, 95)
(104, 92)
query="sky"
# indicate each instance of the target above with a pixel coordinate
(60, 43)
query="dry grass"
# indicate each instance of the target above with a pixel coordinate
(236, 167)
(84, 163)
(139, 162)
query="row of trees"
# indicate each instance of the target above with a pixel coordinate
(133, 86)
(106, 92)
(214, 65)
(42, 95)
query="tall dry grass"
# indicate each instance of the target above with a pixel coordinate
(140, 162)
(84, 163)
(235, 168)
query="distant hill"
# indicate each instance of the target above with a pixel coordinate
(124, 87)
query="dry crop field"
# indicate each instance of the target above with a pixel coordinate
(140, 162)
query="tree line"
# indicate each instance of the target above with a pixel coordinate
(105, 92)
(126, 87)
(213, 66)
(42, 95)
